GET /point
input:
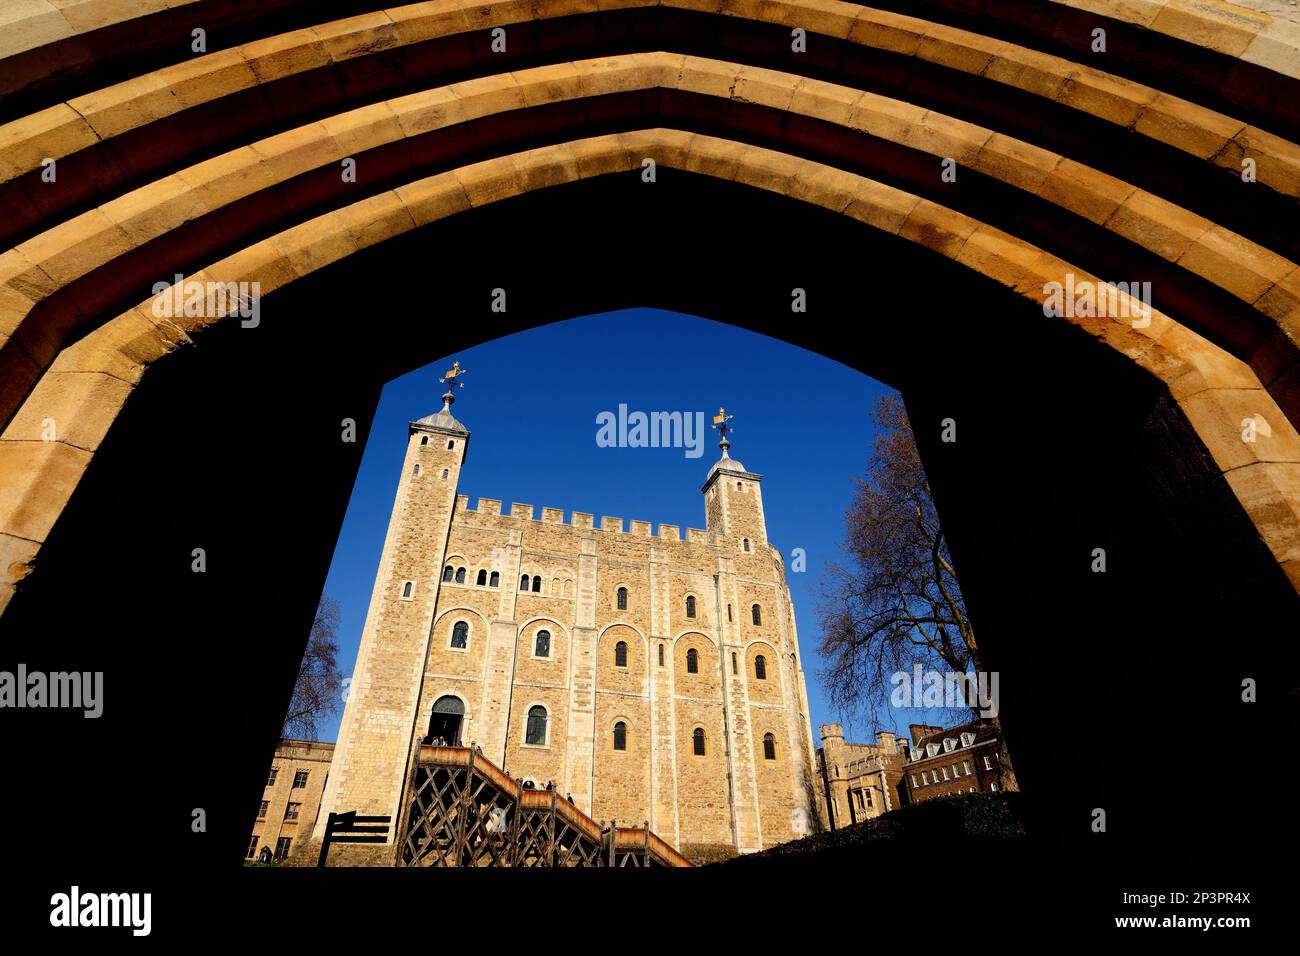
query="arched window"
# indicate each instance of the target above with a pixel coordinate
(537, 584)
(733, 662)
(661, 655)
(406, 589)
(758, 614)
(760, 667)
(622, 599)
(620, 736)
(482, 577)
(450, 445)
(555, 586)
(460, 575)
(424, 439)
(746, 544)
(690, 605)
(620, 654)
(460, 634)
(536, 732)
(697, 739)
(447, 572)
(692, 661)
(728, 612)
(523, 583)
(542, 648)
(495, 580)
(769, 747)
(738, 486)
(415, 470)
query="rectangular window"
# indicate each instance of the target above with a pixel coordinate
(261, 811)
(945, 773)
(300, 779)
(270, 780)
(292, 810)
(252, 848)
(988, 764)
(924, 778)
(914, 783)
(965, 765)
(867, 793)
(282, 847)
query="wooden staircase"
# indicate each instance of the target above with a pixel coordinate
(463, 810)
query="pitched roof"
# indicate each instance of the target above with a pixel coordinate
(982, 729)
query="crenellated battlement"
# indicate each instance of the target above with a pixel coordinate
(527, 608)
(580, 520)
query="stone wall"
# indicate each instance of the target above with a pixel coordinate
(661, 665)
(292, 757)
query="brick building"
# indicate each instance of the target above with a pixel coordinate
(860, 781)
(654, 676)
(291, 800)
(956, 760)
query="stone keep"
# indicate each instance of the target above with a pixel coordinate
(703, 644)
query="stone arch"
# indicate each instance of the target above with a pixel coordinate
(1210, 381)
(551, 669)
(632, 678)
(298, 55)
(695, 632)
(761, 729)
(1215, 374)
(477, 623)
(445, 659)
(611, 721)
(620, 584)
(526, 712)
(462, 609)
(436, 699)
(771, 688)
(706, 681)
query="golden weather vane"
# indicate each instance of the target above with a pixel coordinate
(722, 422)
(452, 374)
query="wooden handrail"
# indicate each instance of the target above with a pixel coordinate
(624, 837)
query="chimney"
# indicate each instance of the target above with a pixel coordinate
(885, 738)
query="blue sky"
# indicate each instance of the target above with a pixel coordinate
(530, 402)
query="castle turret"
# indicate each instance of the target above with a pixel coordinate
(733, 497)
(837, 784)
(375, 738)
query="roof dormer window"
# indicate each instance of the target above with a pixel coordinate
(967, 739)
(948, 744)
(931, 749)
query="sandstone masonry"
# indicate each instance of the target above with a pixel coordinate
(655, 677)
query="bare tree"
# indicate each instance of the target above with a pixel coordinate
(316, 694)
(897, 603)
